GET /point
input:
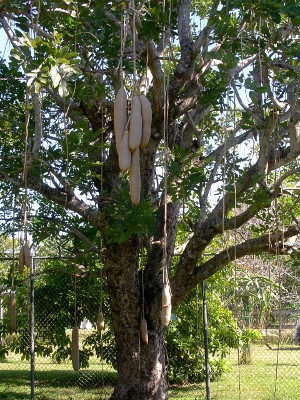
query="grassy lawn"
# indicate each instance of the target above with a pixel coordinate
(59, 381)
(257, 380)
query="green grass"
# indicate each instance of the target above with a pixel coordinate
(257, 380)
(54, 381)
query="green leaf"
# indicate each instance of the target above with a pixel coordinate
(63, 88)
(55, 76)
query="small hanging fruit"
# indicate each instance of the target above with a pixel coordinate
(100, 322)
(144, 331)
(124, 153)
(147, 121)
(12, 312)
(27, 256)
(166, 306)
(21, 260)
(75, 348)
(24, 258)
(135, 177)
(136, 124)
(120, 116)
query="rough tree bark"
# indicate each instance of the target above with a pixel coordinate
(141, 368)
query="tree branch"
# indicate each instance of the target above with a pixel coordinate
(247, 109)
(184, 9)
(204, 34)
(63, 196)
(11, 36)
(216, 263)
(76, 232)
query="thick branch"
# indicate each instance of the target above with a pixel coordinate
(66, 198)
(216, 263)
(158, 81)
(62, 196)
(184, 9)
(12, 37)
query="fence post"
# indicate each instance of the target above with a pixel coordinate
(32, 268)
(204, 312)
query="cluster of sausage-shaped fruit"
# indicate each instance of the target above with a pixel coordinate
(130, 142)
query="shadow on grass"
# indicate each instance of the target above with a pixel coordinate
(274, 365)
(63, 379)
(283, 348)
(16, 378)
(14, 396)
(287, 348)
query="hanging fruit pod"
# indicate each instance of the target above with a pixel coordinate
(146, 121)
(166, 306)
(135, 177)
(120, 116)
(166, 295)
(144, 331)
(166, 315)
(75, 348)
(21, 260)
(124, 152)
(12, 312)
(27, 256)
(136, 124)
(100, 322)
(24, 258)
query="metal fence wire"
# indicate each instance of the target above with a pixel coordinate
(35, 361)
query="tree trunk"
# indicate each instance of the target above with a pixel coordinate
(141, 368)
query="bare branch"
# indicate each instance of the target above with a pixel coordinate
(113, 19)
(158, 79)
(242, 65)
(284, 65)
(277, 105)
(67, 104)
(62, 196)
(231, 141)
(76, 232)
(193, 125)
(12, 37)
(247, 109)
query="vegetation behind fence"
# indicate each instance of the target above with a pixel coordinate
(245, 362)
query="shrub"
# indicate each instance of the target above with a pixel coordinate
(185, 344)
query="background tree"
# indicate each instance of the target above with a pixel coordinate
(223, 78)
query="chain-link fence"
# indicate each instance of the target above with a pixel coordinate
(242, 366)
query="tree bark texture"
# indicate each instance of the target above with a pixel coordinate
(141, 368)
